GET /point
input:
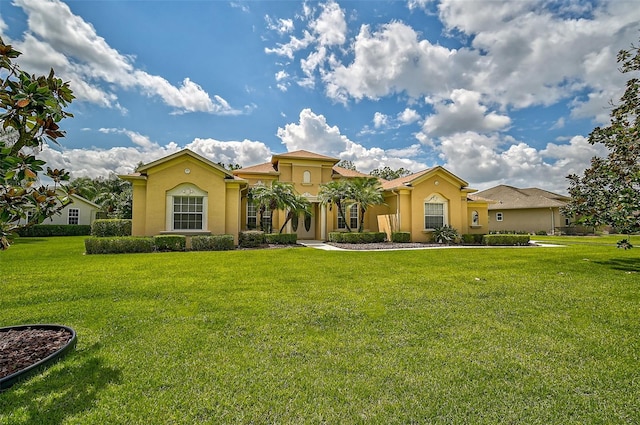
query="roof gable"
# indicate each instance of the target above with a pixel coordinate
(185, 153)
(420, 176)
(509, 197)
(302, 154)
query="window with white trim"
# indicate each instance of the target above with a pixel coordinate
(186, 208)
(499, 216)
(266, 221)
(252, 216)
(351, 215)
(74, 216)
(187, 213)
(306, 177)
(436, 209)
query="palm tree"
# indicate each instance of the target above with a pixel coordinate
(365, 191)
(278, 196)
(336, 193)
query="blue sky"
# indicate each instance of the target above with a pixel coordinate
(495, 91)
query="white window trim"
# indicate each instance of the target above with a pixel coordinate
(186, 189)
(436, 199)
(76, 216)
(499, 216)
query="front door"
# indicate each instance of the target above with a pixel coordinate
(307, 225)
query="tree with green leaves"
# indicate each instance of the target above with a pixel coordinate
(336, 192)
(114, 195)
(365, 191)
(278, 196)
(608, 192)
(345, 163)
(388, 173)
(31, 107)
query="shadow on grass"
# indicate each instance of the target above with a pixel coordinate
(70, 387)
(24, 241)
(622, 264)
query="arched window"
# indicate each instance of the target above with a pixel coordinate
(436, 212)
(306, 176)
(186, 208)
(475, 218)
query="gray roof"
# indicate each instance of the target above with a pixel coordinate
(510, 198)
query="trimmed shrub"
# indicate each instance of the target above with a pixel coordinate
(44, 230)
(401, 237)
(506, 240)
(541, 233)
(212, 243)
(118, 245)
(110, 228)
(472, 238)
(281, 238)
(251, 239)
(170, 242)
(445, 234)
(357, 237)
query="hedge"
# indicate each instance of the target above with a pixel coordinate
(357, 237)
(401, 237)
(119, 245)
(281, 238)
(111, 227)
(44, 230)
(212, 243)
(472, 238)
(506, 240)
(251, 239)
(170, 242)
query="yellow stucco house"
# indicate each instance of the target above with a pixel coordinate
(186, 193)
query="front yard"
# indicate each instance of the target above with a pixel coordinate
(293, 336)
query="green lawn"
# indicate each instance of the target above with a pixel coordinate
(297, 335)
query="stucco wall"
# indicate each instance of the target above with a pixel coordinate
(171, 174)
(526, 220)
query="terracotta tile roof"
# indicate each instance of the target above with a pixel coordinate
(304, 154)
(403, 181)
(509, 197)
(265, 168)
(345, 172)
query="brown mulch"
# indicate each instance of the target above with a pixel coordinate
(22, 348)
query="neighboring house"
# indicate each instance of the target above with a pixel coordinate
(80, 211)
(524, 210)
(188, 194)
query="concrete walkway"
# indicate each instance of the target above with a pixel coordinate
(326, 247)
(320, 245)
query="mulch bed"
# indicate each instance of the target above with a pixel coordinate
(22, 348)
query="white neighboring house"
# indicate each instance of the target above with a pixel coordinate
(80, 211)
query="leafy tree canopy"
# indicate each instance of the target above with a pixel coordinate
(608, 193)
(388, 173)
(30, 108)
(349, 165)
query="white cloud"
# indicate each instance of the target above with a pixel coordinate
(244, 153)
(56, 37)
(391, 61)
(281, 26)
(380, 120)
(313, 133)
(486, 161)
(330, 28)
(464, 113)
(408, 116)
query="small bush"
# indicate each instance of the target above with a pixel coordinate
(506, 240)
(251, 239)
(111, 227)
(170, 242)
(541, 233)
(401, 237)
(445, 234)
(44, 230)
(281, 238)
(118, 245)
(357, 237)
(472, 238)
(212, 243)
